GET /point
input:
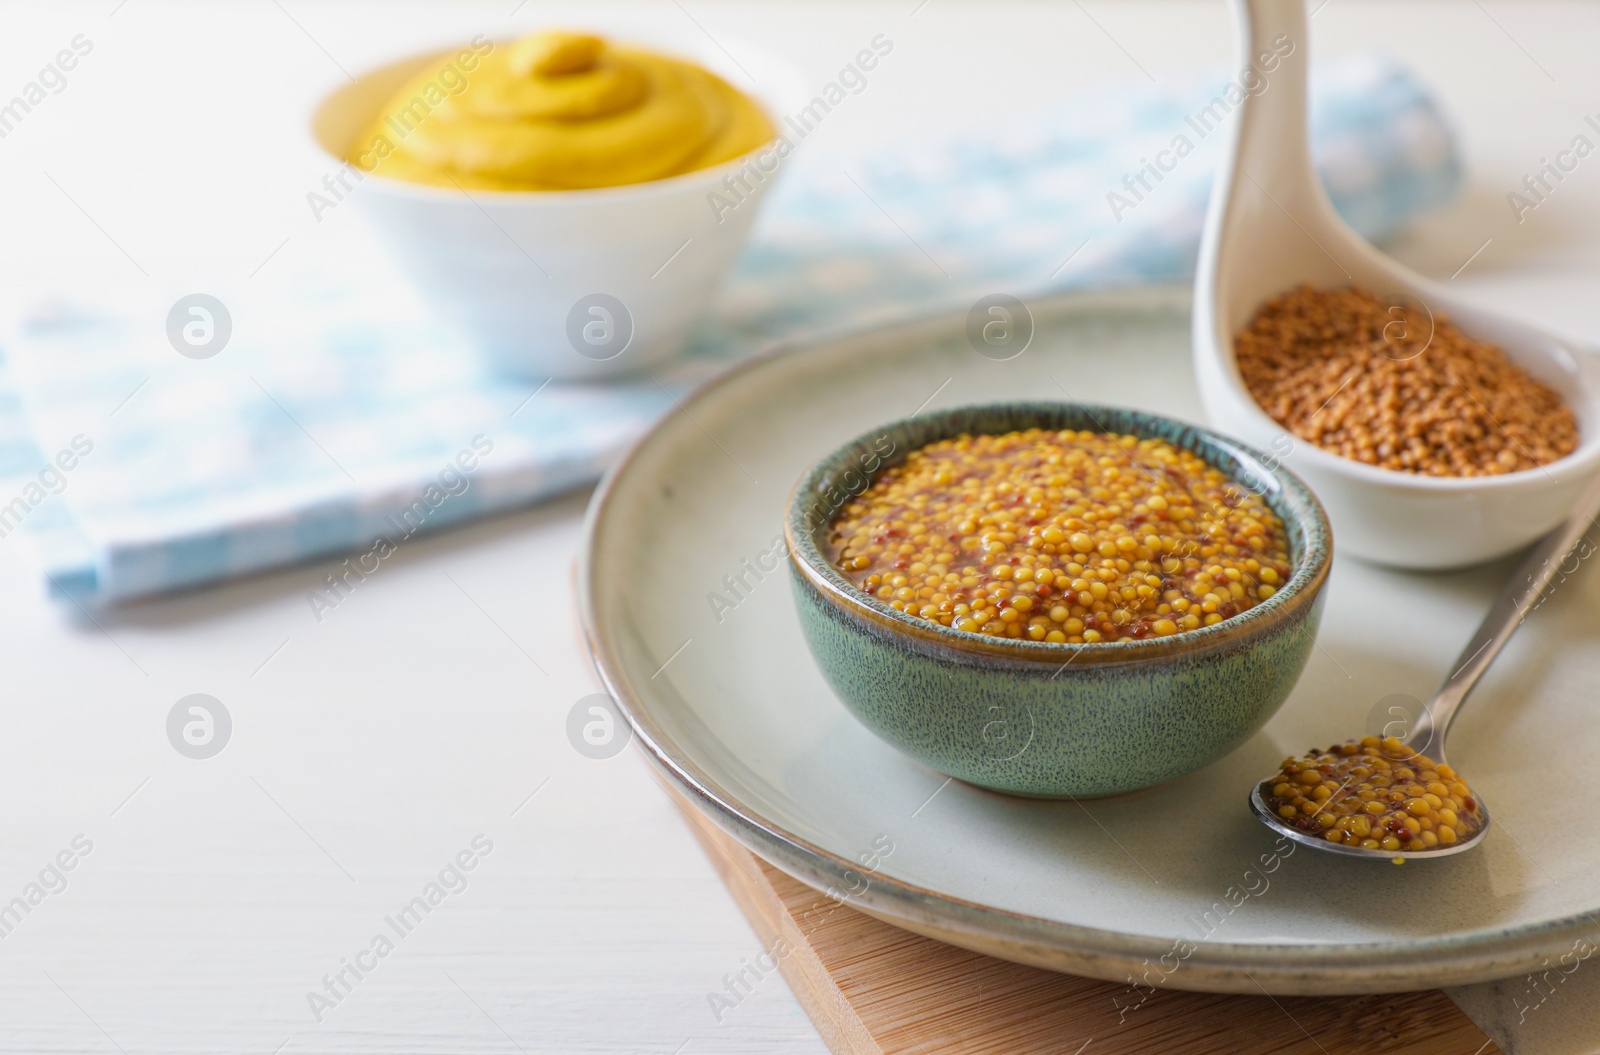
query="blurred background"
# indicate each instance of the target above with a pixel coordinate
(369, 749)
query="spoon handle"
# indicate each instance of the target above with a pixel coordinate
(1525, 592)
(1270, 223)
(1272, 141)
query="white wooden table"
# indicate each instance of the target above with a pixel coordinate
(371, 748)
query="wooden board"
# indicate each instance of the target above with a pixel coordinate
(874, 989)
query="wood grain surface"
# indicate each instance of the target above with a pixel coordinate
(874, 989)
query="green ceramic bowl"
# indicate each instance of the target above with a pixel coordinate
(1054, 720)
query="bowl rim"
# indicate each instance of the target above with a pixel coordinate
(1286, 494)
(643, 190)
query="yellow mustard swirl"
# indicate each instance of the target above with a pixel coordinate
(559, 111)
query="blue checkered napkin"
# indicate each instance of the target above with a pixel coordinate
(341, 416)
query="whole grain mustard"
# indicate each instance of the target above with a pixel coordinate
(1061, 536)
(1375, 793)
(558, 111)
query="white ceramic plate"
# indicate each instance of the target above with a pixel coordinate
(1171, 885)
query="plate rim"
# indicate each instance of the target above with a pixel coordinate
(1283, 968)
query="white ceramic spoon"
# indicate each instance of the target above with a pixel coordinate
(1270, 228)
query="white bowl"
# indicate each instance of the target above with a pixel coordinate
(572, 285)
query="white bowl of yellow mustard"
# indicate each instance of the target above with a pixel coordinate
(568, 203)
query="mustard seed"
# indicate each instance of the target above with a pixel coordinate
(1061, 536)
(1387, 385)
(1378, 793)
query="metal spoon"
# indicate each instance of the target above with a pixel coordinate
(1521, 595)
